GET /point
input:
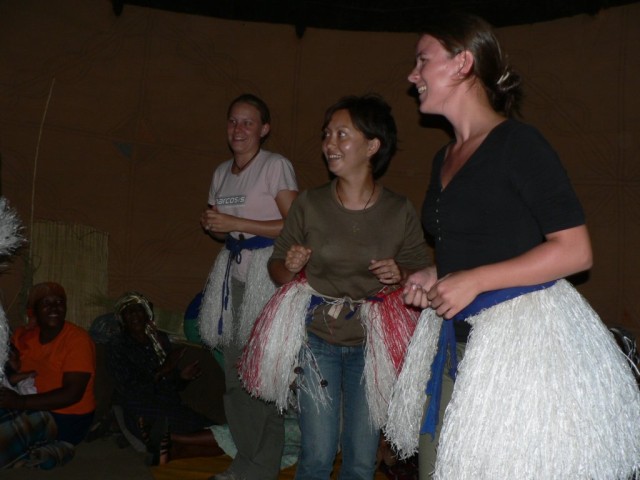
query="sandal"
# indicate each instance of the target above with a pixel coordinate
(158, 444)
(145, 430)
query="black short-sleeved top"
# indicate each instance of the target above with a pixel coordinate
(510, 193)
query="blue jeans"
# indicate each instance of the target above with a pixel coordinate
(342, 368)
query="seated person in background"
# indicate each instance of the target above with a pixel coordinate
(62, 355)
(14, 377)
(21, 432)
(148, 382)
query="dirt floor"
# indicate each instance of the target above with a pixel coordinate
(101, 459)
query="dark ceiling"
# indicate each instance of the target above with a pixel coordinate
(374, 15)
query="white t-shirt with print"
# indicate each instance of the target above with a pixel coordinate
(251, 193)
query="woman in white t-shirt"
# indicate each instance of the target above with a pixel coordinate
(249, 198)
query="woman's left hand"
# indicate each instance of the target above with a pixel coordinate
(387, 271)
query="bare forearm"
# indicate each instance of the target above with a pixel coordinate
(219, 236)
(563, 254)
(220, 224)
(74, 384)
(263, 228)
(279, 273)
(53, 400)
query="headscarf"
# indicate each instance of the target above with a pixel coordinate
(133, 298)
(129, 299)
(38, 292)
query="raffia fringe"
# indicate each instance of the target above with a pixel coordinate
(278, 345)
(389, 326)
(267, 365)
(235, 328)
(543, 393)
(10, 239)
(407, 400)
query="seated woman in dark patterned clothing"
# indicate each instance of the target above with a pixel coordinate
(148, 383)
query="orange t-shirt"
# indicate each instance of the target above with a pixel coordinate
(71, 351)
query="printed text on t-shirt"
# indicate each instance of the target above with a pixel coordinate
(232, 200)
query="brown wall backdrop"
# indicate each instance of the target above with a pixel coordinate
(117, 124)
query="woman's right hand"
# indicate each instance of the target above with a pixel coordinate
(447, 296)
(417, 285)
(218, 223)
(297, 257)
(204, 217)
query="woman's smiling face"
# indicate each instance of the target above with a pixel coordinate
(51, 311)
(245, 129)
(434, 74)
(345, 148)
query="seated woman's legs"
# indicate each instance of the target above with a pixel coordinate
(72, 428)
(22, 430)
(196, 444)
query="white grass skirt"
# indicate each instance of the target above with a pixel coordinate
(543, 393)
(10, 239)
(278, 345)
(236, 326)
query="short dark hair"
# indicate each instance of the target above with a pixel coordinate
(372, 116)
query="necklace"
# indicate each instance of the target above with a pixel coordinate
(241, 168)
(365, 205)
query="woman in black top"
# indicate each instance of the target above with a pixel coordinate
(543, 392)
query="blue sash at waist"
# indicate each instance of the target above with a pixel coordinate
(235, 247)
(447, 346)
(494, 297)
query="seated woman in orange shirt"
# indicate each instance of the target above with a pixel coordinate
(63, 357)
